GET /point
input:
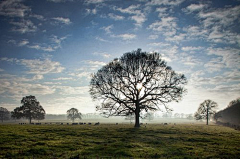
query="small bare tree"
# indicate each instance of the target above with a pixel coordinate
(206, 110)
(73, 114)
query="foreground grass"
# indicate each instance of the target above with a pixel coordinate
(118, 141)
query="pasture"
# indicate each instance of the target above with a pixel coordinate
(118, 141)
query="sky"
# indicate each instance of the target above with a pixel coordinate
(50, 48)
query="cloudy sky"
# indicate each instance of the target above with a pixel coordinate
(49, 48)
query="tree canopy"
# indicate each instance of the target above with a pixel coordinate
(73, 114)
(30, 109)
(135, 82)
(206, 110)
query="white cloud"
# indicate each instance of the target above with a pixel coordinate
(217, 35)
(95, 63)
(91, 11)
(94, 1)
(56, 44)
(138, 15)
(139, 19)
(58, 40)
(165, 2)
(1, 70)
(13, 8)
(46, 66)
(37, 66)
(223, 17)
(133, 9)
(190, 61)
(24, 26)
(195, 7)
(63, 79)
(126, 36)
(228, 78)
(108, 29)
(169, 52)
(37, 77)
(43, 48)
(101, 39)
(23, 42)
(66, 21)
(68, 90)
(153, 37)
(160, 44)
(115, 17)
(191, 48)
(215, 64)
(39, 17)
(230, 56)
(10, 107)
(167, 26)
(163, 12)
(82, 74)
(176, 38)
(103, 54)
(16, 88)
(196, 32)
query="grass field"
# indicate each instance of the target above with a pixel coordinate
(118, 141)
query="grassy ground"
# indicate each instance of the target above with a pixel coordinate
(118, 141)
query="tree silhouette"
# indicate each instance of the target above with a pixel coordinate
(4, 114)
(149, 116)
(73, 114)
(30, 109)
(205, 110)
(137, 81)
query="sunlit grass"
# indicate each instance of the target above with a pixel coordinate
(118, 141)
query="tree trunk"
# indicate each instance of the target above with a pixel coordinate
(30, 120)
(207, 115)
(137, 115)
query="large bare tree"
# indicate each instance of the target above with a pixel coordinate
(137, 81)
(205, 110)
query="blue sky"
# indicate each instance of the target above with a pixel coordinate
(49, 48)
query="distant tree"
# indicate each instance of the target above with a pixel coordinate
(73, 114)
(167, 114)
(149, 116)
(182, 115)
(176, 115)
(4, 114)
(189, 116)
(206, 110)
(130, 117)
(30, 109)
(136, 82)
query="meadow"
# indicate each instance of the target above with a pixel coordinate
(118, 141)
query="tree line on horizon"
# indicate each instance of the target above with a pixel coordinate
(206, 111)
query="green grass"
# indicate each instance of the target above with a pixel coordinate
(118, 141)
